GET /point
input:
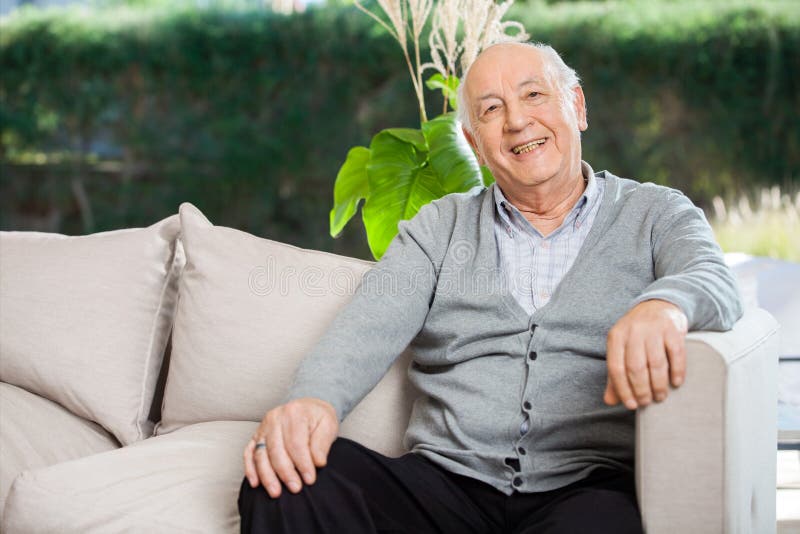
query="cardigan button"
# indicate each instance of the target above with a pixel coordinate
(532, 355)
(533, 328)
(517, 481)
(527, 405)
(522, 451)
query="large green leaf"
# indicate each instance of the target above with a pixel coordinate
(451, 155)
(410, 135)
(488, 177)
(400, 182)
(351, 186)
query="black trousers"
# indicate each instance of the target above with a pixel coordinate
(362, 491)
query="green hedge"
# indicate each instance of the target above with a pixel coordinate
(112, 119)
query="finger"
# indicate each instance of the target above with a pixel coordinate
(295, 439)
(249, 464)
(636, 370)
(266, 473)
(322, 437)
(281, 461)
(615, 360)
(658, 367)
(676, 352)
(610, 396)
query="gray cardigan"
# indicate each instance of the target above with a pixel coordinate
(482, 363)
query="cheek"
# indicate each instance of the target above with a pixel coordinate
(486, 145)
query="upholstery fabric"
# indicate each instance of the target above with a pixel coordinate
(84, 320)
(186, 481)
(706, 457)
(249, 310)
(36, 432)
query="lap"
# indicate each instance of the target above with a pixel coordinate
(361, 490)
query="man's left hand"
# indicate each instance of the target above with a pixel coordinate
(645, 349)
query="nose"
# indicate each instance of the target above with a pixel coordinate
(516, 118)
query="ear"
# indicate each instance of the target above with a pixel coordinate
(580, 108)
(473, 143)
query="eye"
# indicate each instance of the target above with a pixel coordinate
(533, 94)
(491, 108)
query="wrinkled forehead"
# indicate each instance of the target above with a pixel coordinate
(506, 65)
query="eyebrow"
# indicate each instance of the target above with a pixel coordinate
(528, 81)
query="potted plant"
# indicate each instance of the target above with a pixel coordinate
(404, 168)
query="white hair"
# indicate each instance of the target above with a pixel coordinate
(561, 76)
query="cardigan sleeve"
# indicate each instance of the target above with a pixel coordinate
(689, 267)
(385, 314)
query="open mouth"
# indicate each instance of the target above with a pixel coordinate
(527, 147)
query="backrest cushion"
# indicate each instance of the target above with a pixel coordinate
(249, 310)
(84, 320)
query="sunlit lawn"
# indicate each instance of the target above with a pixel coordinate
(770, 226)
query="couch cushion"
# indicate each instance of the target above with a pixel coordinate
(85, 319)
(185, 481)
(36, 432)
(249, 310)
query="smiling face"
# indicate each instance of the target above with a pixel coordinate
(519, 128)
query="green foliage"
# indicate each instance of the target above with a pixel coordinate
(448, 87)
(248, 114)
(402, 170)
(703, 96)
(350, 188)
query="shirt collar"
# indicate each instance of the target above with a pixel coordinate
(591, 193)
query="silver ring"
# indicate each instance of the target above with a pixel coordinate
(260, 445)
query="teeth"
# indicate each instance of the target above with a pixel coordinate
(527, 147)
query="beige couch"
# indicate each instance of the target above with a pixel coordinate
(106, 428)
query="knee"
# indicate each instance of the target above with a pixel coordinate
(344, 456)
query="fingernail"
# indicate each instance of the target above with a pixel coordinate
(308, 477)
(294, 486)
(678, 381)
(631, 404)
(273, 489)
(660, 397)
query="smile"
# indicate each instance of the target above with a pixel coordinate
(527, 147)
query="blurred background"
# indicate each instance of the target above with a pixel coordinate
(113, 112)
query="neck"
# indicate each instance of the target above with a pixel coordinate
(546, 205)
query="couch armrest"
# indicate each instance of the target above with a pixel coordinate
(705, 457)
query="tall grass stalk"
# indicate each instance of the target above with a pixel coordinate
(481, 21)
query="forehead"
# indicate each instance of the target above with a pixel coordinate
(505, 67)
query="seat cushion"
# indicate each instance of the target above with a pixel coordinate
(185, 481)
(249, 310)
(85, 319)
(36, 432)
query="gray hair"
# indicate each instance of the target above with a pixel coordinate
(563, 78)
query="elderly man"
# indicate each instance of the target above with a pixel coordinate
(533, 307)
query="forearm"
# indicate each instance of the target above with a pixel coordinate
(690, 269)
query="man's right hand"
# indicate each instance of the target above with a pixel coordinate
(298, 436)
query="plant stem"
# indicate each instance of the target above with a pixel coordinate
(444, 93)
(377, 19)
(420, 95)
(420, 99)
